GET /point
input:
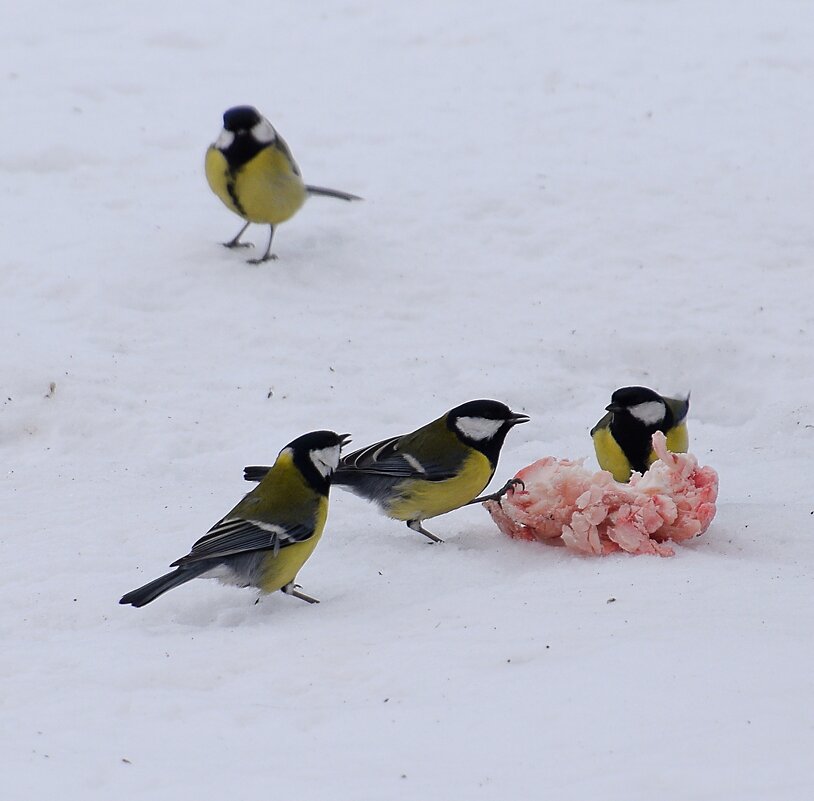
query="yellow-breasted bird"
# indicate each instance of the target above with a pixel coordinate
(265, 540)
(622, 438)
(250, 168)
(433, 470)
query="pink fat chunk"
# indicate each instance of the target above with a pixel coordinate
(593, 514)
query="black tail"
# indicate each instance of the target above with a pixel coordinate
(149, 592)
(255, 472)
(323, 192)
(348, 477)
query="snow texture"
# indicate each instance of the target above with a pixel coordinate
(561, 199)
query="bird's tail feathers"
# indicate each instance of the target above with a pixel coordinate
(345, 476)
(324, 192)
(149, 592)
(255, 472)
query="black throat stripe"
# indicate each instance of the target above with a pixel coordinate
(232, 190)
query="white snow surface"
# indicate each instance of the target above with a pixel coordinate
(561, 199)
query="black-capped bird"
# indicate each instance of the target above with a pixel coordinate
(437, 468)
(251, 169)
(622, 438)
(265, 540)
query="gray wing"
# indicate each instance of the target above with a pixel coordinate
(387, 459)
(603, 423)
(680, 407)
(236, 535)
(280, 144)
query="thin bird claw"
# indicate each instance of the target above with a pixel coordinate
(269, 257)
(509, 486)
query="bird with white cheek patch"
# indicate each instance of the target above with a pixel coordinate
(250, 168)
(437, 468)
(267, 537)
(623, 437)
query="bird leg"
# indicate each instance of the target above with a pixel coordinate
(268, 255)
(415, 525)
(496, 496)
(293, 589)
(236, 243)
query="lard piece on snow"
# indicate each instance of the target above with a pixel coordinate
(591, 513)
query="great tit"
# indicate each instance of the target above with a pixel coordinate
(622, 438)
(435, 469)
(266, 538)
(251, 169)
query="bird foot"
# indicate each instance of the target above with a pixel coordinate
(267, 257)
(509, 486)
(293, 589)
(415, 525)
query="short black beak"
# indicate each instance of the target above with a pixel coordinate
(614, 407)
(344, 439)
(516, 419)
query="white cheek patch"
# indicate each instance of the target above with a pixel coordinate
(224, 140)
(650, 413)
(263, 132)
(326, 460)
(478, 428)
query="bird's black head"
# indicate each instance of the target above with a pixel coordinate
(483, 425)
(241, 118)
(245, 133)
(642, 406)
(636, 414)
(316, 455)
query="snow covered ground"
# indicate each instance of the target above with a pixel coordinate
(561, 198)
